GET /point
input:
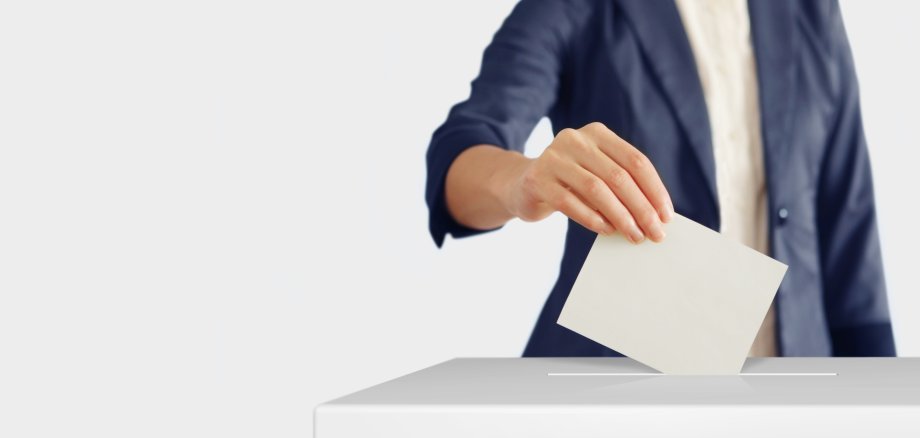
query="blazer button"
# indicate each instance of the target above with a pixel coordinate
(782, 214)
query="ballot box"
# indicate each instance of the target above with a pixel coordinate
(611, 397)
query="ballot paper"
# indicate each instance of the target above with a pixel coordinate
(691, 304)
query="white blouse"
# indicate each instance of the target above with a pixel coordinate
(719, 32)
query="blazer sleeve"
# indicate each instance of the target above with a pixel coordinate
(516, 86)
(855, 298)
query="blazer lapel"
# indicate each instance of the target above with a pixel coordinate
(775, 42)
(658, 27)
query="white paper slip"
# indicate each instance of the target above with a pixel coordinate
(691, 304)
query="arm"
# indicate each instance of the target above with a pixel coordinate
(477, 187)
(477, 177)
(855, 296)
(591, 175)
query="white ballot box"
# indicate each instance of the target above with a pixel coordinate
(608, 397)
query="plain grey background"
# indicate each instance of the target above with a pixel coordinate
(212, 216)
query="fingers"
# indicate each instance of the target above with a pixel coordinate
(602, 182)
(570, 205)
(591, 188)
(619, 182)
(638, 166)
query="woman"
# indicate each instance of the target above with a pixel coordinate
(743, 116)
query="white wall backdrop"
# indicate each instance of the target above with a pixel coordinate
(212, 216)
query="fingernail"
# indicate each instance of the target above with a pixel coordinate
(657, 232)
(670, 211)
(635, 234)
(666, 214)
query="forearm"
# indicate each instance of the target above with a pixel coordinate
(478, 185)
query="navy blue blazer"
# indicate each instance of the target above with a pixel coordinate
(628, 64)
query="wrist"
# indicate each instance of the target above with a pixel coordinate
(505, 182)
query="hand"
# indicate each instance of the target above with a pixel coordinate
(599, 180)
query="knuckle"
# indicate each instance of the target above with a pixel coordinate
(579, 144)
(638, 161)
(619, 178)
(572, 139)
(593, 187)
(595, 127)
(566, 134)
